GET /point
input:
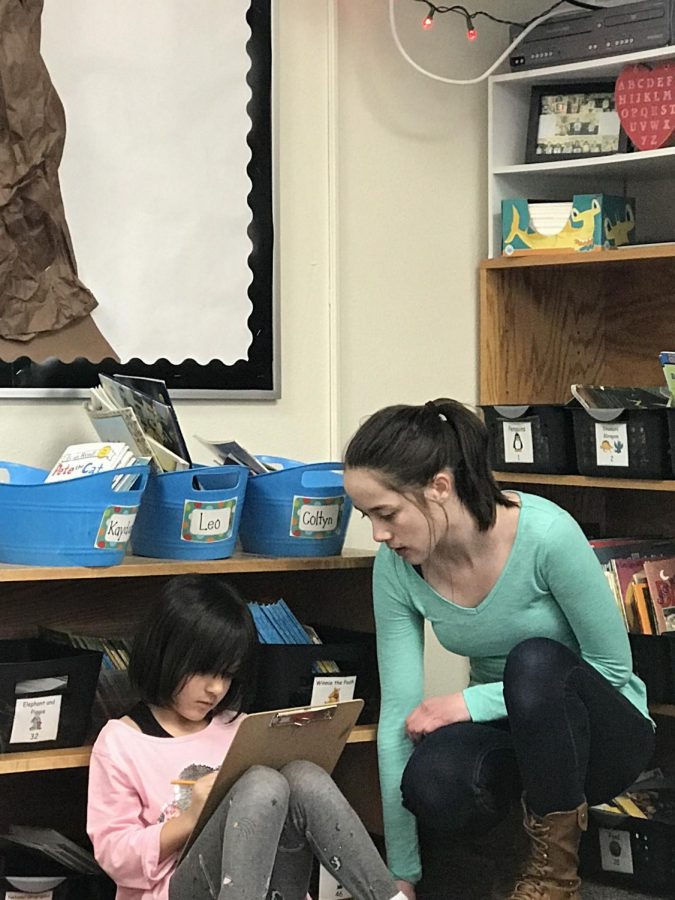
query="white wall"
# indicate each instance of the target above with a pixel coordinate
(381, 225)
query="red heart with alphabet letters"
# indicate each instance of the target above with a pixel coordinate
(645, 102)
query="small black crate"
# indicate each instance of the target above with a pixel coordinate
(654, 663)
(629, 852)
(286, 677)
(536, 438)
(630, 443)
(46, 694)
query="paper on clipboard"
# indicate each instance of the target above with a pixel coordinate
(314, 733)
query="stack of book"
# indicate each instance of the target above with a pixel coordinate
(78, 460)
(139, 412)
(276, 624)
(641, 574)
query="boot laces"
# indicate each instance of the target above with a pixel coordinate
(532, 885)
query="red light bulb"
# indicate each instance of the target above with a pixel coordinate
(428, 21)
(471, 34)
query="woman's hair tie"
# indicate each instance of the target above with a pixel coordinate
(431, 406)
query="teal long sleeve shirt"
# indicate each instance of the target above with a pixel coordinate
(551, 586)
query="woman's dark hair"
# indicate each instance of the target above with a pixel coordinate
(201, 625)
(408, 445)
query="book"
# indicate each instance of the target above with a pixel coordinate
(667, 360)
(149, 399)
(232, 453)
(594, 397)
(642, 607)
(79, 460)
(612, 548)
(660, 575)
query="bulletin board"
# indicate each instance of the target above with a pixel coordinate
(166, 183)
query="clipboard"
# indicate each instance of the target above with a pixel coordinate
(273, 739)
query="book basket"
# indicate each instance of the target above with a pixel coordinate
(194, 514)
(80, 522)
(299, 510)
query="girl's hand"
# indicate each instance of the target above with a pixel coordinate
(407, 889)
(200, 791)
(434, 712)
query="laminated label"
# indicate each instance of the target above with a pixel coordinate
(329, 888)
(615, 851)
(22, 895)
(115, 528)
(36, 719)
(518, 446)
(316, 517)
(611, 443)
(208, 521)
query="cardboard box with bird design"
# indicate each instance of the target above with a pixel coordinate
(587, 222)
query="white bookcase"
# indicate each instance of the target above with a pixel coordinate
(647, 176)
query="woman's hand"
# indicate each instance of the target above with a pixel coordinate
(407, 889)
(434, 712)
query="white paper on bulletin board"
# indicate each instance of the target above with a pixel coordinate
(153, 175)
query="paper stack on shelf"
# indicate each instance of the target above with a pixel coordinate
(232, 453)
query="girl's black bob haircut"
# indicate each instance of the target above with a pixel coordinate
(201, 625)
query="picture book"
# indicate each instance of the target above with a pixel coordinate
(667, 360)
(607, 549)
(232, 453)
(593, 397)
(152, 406)
(661, 580)
(79, 460)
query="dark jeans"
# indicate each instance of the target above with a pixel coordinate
(569, 736)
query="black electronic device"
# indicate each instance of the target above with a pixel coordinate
(591, 34)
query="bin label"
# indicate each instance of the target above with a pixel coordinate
(329, 888)
(316, 517)
(611, 443)
(36, 719)
(332, 689)
(208, 520)
(115, 528)
(22, 895)
(615, 850)
(518, 446)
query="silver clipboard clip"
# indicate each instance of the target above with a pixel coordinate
(302, 718)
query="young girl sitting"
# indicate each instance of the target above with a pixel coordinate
(191, 664)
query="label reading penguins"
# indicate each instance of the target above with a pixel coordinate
(36, 719)
(518, 447)
(115, 528)
(208, 520)
(611, 443)
(316, 517)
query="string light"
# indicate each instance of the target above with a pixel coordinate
(471, 31)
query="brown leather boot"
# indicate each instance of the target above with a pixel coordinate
(550, 873)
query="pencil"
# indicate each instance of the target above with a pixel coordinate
(182, 781)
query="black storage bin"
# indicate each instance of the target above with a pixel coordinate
(537, 438)
(38, 716)
(628, 852)
(18, 863)
(654, 662)
(286, 678)
(646, 443)
(670, 415)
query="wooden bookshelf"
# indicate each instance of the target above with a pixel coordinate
(329, 591)
(584, 481)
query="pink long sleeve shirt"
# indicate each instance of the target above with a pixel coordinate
(131, 796)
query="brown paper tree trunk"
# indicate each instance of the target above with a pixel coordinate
(44, 307)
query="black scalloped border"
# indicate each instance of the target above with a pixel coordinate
(255, 374)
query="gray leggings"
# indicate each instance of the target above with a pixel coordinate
(261, 841)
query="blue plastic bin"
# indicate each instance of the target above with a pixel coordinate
(299, 510)
(194, 514)
(80, 522)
